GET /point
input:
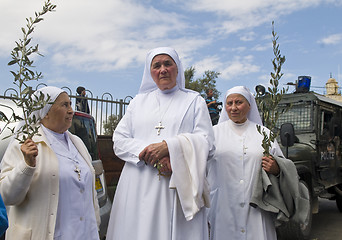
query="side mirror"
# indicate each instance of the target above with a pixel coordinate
(260, 90)
(287, 135)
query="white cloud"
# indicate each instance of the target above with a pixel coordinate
(250, 36)
(239, 66)
(233, 15)
(262, 47)
(332, 39)
(58, 81)
(239, 49)
(96, 36)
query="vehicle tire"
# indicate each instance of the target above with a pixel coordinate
(292, 230)
(339, 198)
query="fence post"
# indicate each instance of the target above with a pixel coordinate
(121, 108)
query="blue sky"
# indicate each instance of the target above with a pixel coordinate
(102, 45)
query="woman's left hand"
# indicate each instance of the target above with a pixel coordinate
(154, 152)
(165, 166)
(270, 165)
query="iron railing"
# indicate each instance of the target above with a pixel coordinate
(100, 108)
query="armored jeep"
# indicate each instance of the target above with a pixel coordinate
(310, 135)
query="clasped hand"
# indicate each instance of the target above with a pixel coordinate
(157, 154)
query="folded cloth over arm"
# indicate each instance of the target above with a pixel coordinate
(283, 195)
(189, 154)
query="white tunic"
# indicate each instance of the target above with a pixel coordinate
(144, 206)
(231, 173)
(75, 213)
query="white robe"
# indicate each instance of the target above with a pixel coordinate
(231, 173)
(146, 206)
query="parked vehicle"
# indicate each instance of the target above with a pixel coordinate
(310, 133)
(83, 125)
(7, 109)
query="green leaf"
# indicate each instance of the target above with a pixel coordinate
(13, 62)
(28, 41)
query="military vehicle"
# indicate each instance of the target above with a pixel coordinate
(310, 135)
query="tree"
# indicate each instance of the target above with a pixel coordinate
(208, 81)
(110, 124)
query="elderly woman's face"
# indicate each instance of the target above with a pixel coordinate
(59, 117)
(164, 71)
(237, 107)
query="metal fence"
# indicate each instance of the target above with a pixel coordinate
(101, 108)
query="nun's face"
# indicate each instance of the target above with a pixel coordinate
(164, 71)
(237, 107)
(59, 117)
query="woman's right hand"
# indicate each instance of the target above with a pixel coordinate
(30, 152)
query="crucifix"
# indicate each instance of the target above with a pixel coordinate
(78, 171)
(159, 127)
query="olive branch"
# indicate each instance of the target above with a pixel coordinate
(268, 104)
(26, 100)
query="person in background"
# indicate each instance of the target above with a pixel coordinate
(81, 101)
(231, 174)
(48, 182)
(165, 139)
(3, 217)
(212, 107)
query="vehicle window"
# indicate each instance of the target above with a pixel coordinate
(85, 129)
(300, 115)
(326, 127)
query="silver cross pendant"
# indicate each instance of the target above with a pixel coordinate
(159, 127)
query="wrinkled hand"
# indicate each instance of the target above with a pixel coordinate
(270, 165)
(30, 152)
(164, 165)
(154, 152)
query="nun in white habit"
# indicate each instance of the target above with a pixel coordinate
(166, 127)
(48, 182)
(231, 173)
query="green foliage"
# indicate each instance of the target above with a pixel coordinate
(21, 54)
(208, 81)
(268, 104)
(110, 124)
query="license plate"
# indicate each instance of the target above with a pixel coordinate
(98, 184)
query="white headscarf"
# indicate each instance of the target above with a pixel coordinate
(51, 91)
(147, 83)
(253, 114)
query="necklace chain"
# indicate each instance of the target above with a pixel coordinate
(77, 170)
(160, 125)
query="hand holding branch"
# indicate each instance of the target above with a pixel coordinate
(270, 165)
(30, 152)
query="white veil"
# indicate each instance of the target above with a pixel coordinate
(147, 83)
(253, 115)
